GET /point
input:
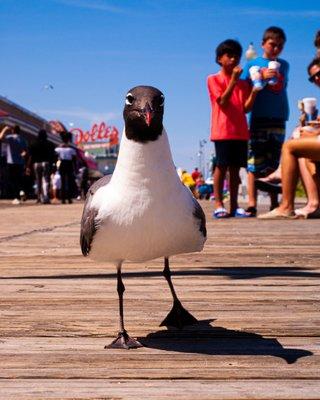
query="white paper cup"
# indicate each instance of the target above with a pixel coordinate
(274, 65)
(256, 77)
(310, 105)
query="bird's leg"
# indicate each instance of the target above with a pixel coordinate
(178, 316)
(123, 340)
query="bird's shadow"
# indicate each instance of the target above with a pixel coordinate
(204, 338)
(233, 273)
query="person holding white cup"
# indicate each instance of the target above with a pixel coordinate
(269, 113)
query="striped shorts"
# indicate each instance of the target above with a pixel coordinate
(265, 144)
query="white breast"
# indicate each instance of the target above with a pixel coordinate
(145, 211)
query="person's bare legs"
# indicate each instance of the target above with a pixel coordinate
(291, 151)
(233, 188)
(252, 192)
(218, 180)
(274, 177)
(310, 188)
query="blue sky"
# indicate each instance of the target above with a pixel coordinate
(92, 52)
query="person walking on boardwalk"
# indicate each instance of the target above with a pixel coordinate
(66, 166)
(41, 158)
(16, 152)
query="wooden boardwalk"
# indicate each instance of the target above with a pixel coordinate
(255, 290)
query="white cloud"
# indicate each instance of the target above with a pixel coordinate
(81, 114)
(280, 13)
(93, 5)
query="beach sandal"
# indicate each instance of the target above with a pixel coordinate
(241, 213)
(252, 211)
(269, 187)
(220, 213)
(276, 214)
(312, 215)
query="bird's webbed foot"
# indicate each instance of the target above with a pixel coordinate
(179, 317)
(123, 341)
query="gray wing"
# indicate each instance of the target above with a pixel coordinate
(199, 215)
(89, 223)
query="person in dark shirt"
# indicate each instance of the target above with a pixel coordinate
(41, 157)
(16, 149)
(67, 165)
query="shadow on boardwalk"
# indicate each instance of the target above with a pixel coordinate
(230, 272)
(206, 339)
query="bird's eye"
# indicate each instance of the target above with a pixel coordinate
(129, 99)
(161, 100)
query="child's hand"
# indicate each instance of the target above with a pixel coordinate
(236, 72)
(268, 73)
(256, 89)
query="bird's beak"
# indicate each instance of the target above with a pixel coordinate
(148, 114)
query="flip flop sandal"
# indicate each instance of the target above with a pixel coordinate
(241, 213)
(252, 211)
(220, 213)
(276, 214)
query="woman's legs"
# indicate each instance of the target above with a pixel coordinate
(64, 184)
(38, 178)
(291, 151)
(46, 182)
(310, 188)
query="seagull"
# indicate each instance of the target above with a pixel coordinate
(142, 211)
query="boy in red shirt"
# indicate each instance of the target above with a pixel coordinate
(230, 99)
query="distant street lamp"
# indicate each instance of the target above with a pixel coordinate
(201, 155)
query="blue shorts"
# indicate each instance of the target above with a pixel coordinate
(265, 147)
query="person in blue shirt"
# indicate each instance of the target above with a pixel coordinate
(269, 114)
(16, 153)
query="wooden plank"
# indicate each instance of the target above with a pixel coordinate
(255, 289)
(106, 389)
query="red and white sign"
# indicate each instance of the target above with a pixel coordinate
(57, 127)
(100, 135)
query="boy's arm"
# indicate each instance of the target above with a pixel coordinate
(224, 98)
(250, 100)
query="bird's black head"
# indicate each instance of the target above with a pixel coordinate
(143, 114)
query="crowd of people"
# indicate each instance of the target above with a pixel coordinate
(259, 144)
(50, 174)
(256, 143)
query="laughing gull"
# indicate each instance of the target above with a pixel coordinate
(142, 211)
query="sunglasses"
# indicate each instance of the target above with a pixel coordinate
(313, 77)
